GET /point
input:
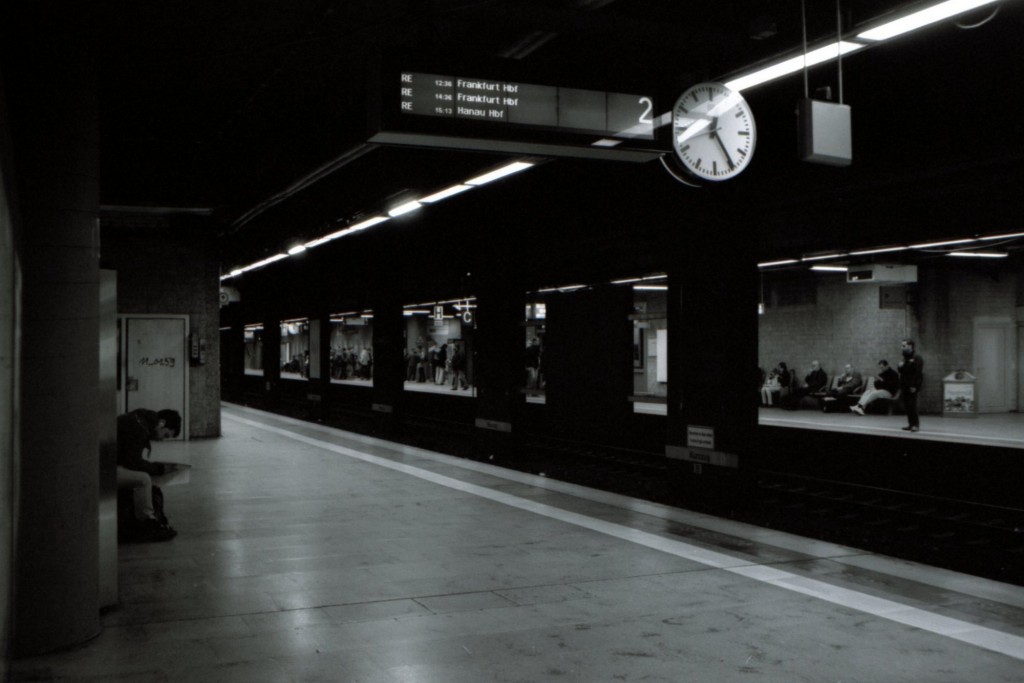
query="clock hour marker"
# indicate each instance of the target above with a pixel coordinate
(697, 165)
(714, 167)
(743, 132)
(742, 152)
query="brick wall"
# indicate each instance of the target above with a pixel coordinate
(846, 324)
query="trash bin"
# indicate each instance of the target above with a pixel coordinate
(958, 395)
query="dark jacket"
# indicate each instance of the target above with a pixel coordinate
(134, 431)
(911, 372)
(888, 380)
(816, 379)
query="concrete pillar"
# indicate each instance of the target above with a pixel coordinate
(498, 372)
(388, 364)
(712, 397)
(52, 101)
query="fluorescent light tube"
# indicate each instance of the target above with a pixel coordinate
(946, 243)
(882, 250)
(791, 65)
(361, 225)
(605, 142)
(651, 288)
(445, 193)
(980, 254)
(509, 169)
(784, 262)
(563, 288)
(822, 257)
(265, 262)
(1010, 236)
(297, 250)
(831, 269)
(404, 208)
(924, 17)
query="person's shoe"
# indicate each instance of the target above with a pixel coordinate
(908, 428)
(915, 428)
(857, 409)
(155, 531)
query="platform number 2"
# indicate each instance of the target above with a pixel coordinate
(649, 104)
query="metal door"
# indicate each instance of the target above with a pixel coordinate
(156, 365)
(993, 361)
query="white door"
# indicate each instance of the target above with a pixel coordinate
(994, 347)
(156, 365)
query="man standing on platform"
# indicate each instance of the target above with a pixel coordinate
(911, 377)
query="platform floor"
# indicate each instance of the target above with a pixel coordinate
(310, 554)
(1005, 430)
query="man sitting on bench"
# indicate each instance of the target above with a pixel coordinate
(134, 431)
(850, 382)
(887, 384)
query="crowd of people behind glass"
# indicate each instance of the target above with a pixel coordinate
(441, 364)
(349, 362)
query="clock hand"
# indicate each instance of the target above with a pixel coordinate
(721, 145)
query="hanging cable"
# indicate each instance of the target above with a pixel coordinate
(839, 48)
(980, 23)
(803, 23)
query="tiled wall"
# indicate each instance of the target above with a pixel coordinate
(170, 266)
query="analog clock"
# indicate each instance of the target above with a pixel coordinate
(713, 131)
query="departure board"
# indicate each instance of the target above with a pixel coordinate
(616, 115)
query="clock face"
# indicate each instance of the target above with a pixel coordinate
(713, 131)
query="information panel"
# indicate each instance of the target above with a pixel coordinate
(616, 115)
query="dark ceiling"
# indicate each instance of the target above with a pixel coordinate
(256, 109)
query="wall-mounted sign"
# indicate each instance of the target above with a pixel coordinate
(700, 437)
(585, 111)
(497, 112)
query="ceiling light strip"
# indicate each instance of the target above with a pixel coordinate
(405, 208)
(791, 65)
(483, 179)
(980, 254)
(507, 170)
(446, 193)
(880, 250)
(1010, 236)
(921, 18)
(823, 257)
(903, 247)
(946, 243)
(783, 262)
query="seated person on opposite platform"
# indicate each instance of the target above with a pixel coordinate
(850, 382)
(134, 432)
(815, 381)
(887, 384)
(775, 385)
